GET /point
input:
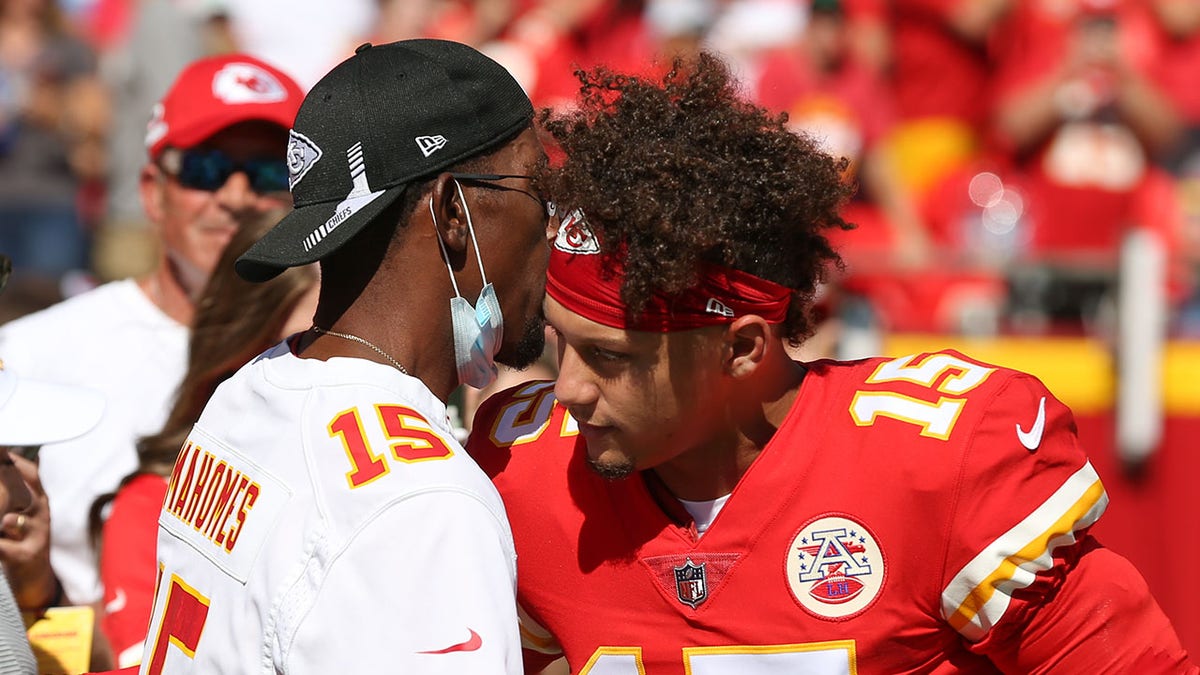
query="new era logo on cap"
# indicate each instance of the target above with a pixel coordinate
(715, 306)
(430, 144)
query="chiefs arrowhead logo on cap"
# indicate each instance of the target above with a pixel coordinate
(574, 236)
(302, 153)
(246, 83)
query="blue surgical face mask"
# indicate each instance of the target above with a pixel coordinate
(478, 330)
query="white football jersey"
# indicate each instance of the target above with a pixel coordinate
(322, 519)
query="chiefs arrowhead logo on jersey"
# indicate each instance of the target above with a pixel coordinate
(835, 567)
(691, 586)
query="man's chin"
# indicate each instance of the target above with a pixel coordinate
(528, 348)
(609, 469)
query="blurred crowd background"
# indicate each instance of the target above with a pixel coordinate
(1004, 149)
(1025, 169)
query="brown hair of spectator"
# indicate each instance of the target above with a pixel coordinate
(682, 169)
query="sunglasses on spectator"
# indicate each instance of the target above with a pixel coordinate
(201, 169)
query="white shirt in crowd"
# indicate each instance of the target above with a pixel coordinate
(114, 340)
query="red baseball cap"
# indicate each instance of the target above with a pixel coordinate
(216, 92)
(1099, 7)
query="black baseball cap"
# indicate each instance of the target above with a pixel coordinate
(378, 121)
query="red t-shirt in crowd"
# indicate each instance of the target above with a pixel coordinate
(936, 72)
(129, 565)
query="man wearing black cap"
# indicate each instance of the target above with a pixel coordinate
(321, 517)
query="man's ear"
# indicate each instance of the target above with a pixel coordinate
(152, 187)
(746, 344)
(449, 214)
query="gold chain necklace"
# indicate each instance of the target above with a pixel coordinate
(362, 341)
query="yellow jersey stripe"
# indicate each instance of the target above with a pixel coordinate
(971, 603)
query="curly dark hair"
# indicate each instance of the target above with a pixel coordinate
(682, 170)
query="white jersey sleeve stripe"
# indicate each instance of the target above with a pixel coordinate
(977, 597)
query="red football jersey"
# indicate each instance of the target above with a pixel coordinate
(924, 514)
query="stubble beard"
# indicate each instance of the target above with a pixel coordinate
(611, 471)
(529, 348)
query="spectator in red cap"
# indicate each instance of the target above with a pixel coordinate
(216, 145)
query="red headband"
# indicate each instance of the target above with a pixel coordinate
(588, 282)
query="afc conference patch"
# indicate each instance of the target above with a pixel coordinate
(835, 567)
(691, 583)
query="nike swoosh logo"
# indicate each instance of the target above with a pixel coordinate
(474, 642)
(1033, 438)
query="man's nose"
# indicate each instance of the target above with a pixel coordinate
(575, 387)
(235, 194)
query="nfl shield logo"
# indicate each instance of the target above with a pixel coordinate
(690, 584)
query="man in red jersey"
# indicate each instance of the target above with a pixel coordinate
(688, 499)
